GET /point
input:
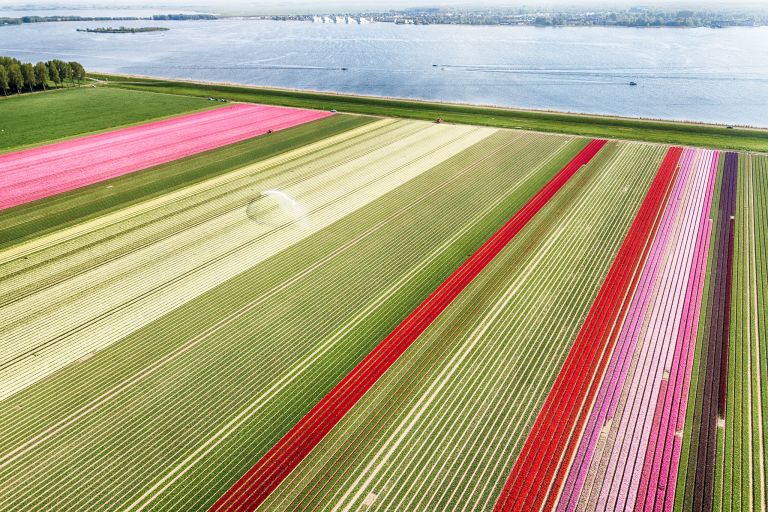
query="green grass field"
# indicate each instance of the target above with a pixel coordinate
(31, 119)
(585, 125)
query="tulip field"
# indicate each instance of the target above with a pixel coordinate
(257, 307)
(49, 170)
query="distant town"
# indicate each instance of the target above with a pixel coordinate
(633, 17)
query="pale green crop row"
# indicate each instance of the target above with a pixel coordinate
(169, 411)
(441, 429)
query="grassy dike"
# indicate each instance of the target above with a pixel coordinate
(666, 132)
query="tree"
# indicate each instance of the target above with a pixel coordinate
(8, 62)
(28, 72)
(65, 70)
(15, 75)
(72, 74)
(41, 74)
(4, 80)
(78, 71)
(53, 72)
(15, 78)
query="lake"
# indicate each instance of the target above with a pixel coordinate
(709, 75)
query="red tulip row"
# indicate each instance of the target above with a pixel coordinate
(256, 485)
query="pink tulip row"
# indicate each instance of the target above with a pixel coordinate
(659, 475)
(628, 455)
(44, 171)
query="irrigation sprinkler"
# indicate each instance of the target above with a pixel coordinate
(263, 208)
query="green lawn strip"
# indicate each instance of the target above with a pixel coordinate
(587, 125)
(740, 336)
(521, 379)
(150, 343)
(60, 211)
(688, 454)
(750, 375)
(749, 292)
(29, 120)
(721, 499)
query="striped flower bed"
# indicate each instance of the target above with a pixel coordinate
(44, 171)
(256, 485)
(381, 314)
(641, 448)
(538, 468)
(628, 428)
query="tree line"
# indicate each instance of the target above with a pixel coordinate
(17, 77)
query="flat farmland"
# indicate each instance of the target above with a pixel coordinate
(63, 210)
(66, 113)
(255, 307)
(50, 170)
(448, 436)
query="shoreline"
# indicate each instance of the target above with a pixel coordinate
(267, 17)
(17, 20)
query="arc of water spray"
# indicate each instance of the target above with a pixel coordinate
(289, 205)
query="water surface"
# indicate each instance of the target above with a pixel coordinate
(710, 75)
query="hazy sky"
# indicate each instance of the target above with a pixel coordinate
(353, 5)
